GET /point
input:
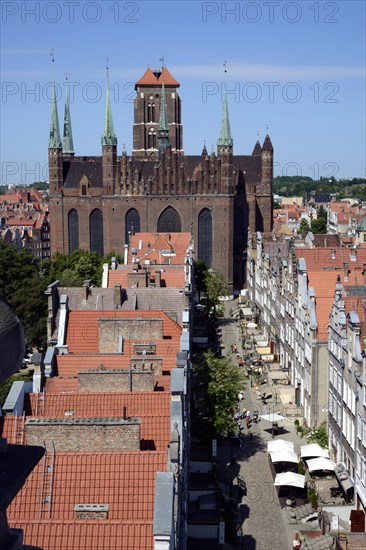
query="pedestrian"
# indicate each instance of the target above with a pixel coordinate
(248, 414)
(296, 543)
(235, 348)
(247, 420)
(251, 436)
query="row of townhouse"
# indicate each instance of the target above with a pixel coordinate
(318, 337)
(110, 404)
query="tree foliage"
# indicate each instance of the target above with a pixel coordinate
(289, 186)
(24, 281)
(216, 287)
(223, 381)
(304, 227)
(200, 270)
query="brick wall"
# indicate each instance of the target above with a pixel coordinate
(84, 434)
(116, 380)
(130, 329)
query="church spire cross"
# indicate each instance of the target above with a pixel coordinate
(109, 137)
(225, 138)
(68, 144)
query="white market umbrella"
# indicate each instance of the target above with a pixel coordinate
(272, 417)
(279, 445)
(290, 478)
(286, 455)
(313, 450)
(252, 325)
(320, 463)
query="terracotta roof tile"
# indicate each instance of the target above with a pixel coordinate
(125, 481)
(89, 405)
(82, 329)
(91, 534)
(149, 79)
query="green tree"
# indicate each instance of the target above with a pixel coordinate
(223, 380)
(319, 226)
(216, 287)
(15, 266)
(30, 305)
(304, 227)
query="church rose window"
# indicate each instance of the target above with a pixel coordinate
(96, 232)
(205, 236)
(169, 221)
(73, 231)
(132, 223)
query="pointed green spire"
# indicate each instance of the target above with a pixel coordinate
(109, 137)
(225, 138)
(163, 131)
(55, 141)
(67, 144)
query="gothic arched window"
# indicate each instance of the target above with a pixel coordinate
(151, 139)
(96, 232)
(169, 221)
(132, 223)
(205, 236)
(73, 222)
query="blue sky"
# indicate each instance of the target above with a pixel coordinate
(296, 67)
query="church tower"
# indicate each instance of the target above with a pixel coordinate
(109, 148)
(147, 111)
(55, 149)
(264, 191)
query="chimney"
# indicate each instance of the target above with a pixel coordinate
(168, 237)
(345, 271)
(86, 289)
(117, 296)
(157, 279)
(124, 413)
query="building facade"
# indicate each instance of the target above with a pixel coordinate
(97, 202)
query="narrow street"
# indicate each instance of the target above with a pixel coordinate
(259, 512)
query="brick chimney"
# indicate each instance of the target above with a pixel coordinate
(117, 296)
(157, 279)
(86, 289)
(345, 271)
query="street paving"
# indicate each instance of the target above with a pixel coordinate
(259, 512)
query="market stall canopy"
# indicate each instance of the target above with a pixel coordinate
(272, 417)
(286, 455)
(320, 463)
(252, 325)
(313, 450)
(279, 445)
(290, 478)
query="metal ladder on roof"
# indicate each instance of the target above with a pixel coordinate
(45, 498)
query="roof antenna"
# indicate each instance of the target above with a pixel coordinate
(162, 62)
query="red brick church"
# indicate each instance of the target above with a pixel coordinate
(97, 202)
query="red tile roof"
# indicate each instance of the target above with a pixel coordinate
(175, 242)
(90, 534)
(90, 405)
(124, 481)
(149, 79)
(170, 278)
(323, 283)
(82, 329)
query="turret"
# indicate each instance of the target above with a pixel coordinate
(55, 149)
(225, 151)
(67, 144)
(163, 131)
(109, 148)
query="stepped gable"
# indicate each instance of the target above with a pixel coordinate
(77, 167)
(123, 480)
(72, 534)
